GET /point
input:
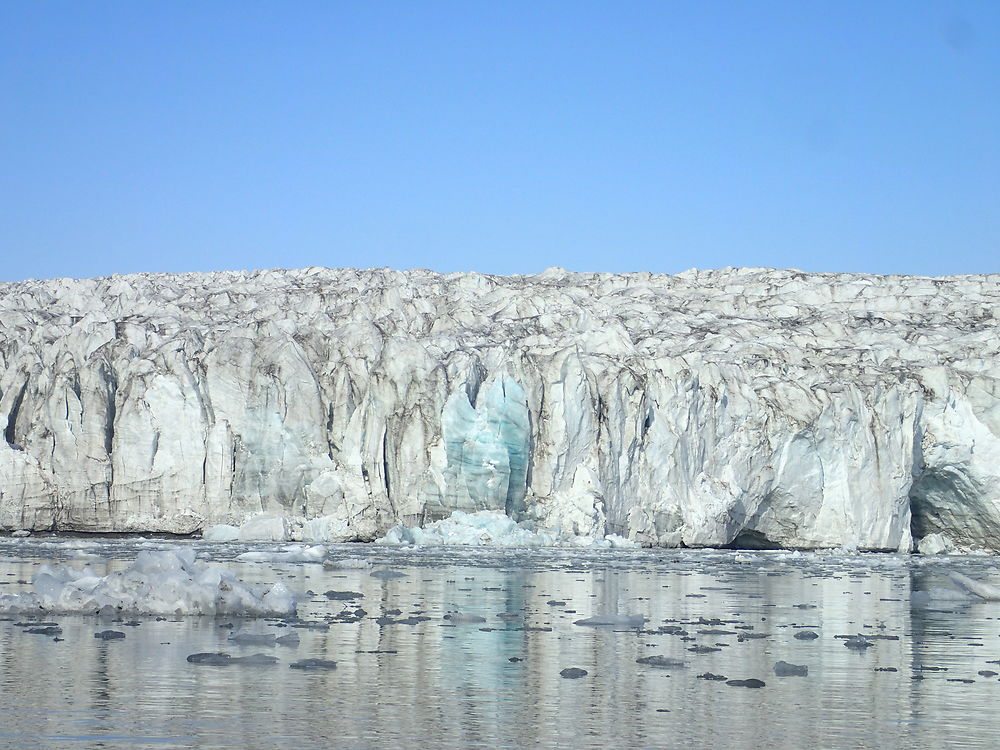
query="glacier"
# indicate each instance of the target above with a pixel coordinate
(712, 408)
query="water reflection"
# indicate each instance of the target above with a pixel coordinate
(405, 681)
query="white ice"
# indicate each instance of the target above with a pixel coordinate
(982, 590)
(492, 528)
(166, 582)
(294, 553)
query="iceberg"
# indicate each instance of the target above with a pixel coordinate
(167, 582)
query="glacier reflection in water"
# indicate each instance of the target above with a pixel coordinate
(465, 649)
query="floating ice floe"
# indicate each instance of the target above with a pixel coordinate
(295, 553)
(613, 621)
(982, 590)
(488, 527)
(167, 582)
(347, 563)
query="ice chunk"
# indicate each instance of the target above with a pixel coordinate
(252, 639)
(787, 669)
(982, 590)
(935, 544)
(459, 618)
(487, 527)
(613, 621)
(166, 582)
(347, 563)
(265, 527)
(313, 664)
(109, 635)
(221, 533)
(292, 553)
(222, 659)
(326, 529)
(664, 662)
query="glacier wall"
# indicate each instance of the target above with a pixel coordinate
(747, 407)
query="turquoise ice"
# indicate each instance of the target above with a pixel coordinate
(488, 447)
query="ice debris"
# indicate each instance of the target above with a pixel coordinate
(487, 527)
(346, 563)
(221, 533)
(222, 659)
(613, 621)
(294, 553)
(165, 582)
(787, 669)
(313, 664)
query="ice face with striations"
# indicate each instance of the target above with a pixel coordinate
(746, 407)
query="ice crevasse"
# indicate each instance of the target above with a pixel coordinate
(736, 407)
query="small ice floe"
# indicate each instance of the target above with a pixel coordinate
(983, 590)
(750, 683)
(109, 635)
(343, 596)
(222, 659)
(347, 563)
(253, 639)
(663, 662)
(858, 643)
(167, 582)
(21, 533)
(613, 621)
(386, 574)
(461, 618)
(787, 669)
(313, 664)
(293, 553)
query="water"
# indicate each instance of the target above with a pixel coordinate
(446, 684)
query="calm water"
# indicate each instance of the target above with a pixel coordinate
(436, 683)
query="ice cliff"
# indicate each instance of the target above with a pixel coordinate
(746, 407)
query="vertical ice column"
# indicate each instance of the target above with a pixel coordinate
(487, 449)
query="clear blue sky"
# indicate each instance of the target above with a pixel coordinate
(501, 137)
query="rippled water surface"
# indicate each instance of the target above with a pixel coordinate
(455, 682)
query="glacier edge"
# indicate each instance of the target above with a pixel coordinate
(736, 407)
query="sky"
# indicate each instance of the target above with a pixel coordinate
(499, 137)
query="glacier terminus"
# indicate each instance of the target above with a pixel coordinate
(732, 407)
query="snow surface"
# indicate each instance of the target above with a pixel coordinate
(166, 582)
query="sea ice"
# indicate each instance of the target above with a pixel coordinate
(167, 582)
